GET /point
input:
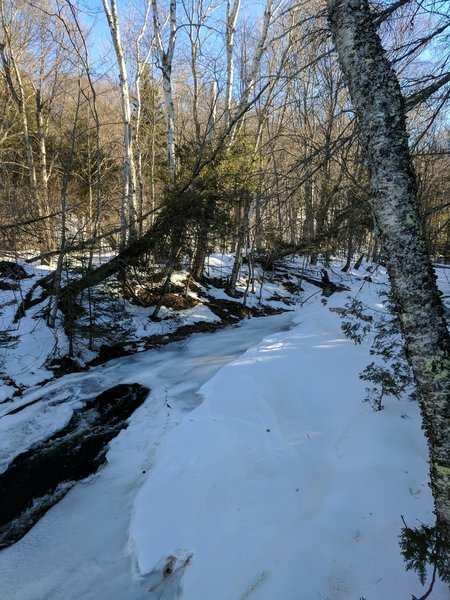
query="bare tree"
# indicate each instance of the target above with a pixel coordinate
(16, 86)
(165, 62)
(232, 15)
(129, 169)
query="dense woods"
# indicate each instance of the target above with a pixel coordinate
(136, 138)
(230, 122)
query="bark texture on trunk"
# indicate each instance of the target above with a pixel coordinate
(379, 105)
(128, 212)
(165, 57)
(232, 14)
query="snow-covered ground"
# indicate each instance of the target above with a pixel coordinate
(253, 470)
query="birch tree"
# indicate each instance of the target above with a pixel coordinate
(232, 15)
(251, 78)
(140, 67)
(128, 212)
(165, 60)
(380, 108)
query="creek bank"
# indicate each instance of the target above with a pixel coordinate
(41, 476)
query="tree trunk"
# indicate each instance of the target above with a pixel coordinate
(43, 188)
(232, 14)
(348, 262)
(379, 105)
(251, 78)
(165, 64)
(358, 262)
(128, 212)
(138, 113)
(198, 264)
(243, 230)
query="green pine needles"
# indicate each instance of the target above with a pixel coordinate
(390, 374)
(421, 548)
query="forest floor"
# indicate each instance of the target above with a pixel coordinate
(253, 470)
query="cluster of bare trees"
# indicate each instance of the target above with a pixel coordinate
(183, 126)
(96, 137)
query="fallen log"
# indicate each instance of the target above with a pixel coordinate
(325, 283)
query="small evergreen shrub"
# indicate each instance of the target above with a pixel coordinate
(422, 547)
(393, 375)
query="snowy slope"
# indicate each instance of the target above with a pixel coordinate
(291, 487)
(259, 475)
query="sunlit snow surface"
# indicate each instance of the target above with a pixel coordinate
(257, 475)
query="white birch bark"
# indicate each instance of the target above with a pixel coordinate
(44, 175)
(271, 8)
(193, 10)
(140, 63)
(232, 15)
(165, 59)
(212, 113)
(128, 213)
(379, 105)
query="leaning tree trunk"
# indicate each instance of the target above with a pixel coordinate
(379, 105)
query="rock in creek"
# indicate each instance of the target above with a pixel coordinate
(41, 476)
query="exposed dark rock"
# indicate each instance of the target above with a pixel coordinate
(283, 299)
(108, 352)
(216, 282)
(292, 288)
(328, 286)
(62, 366)
(41, 476)
(175, 299)
(234, 293)
(8, 287)
(156, 341)
(12, 270)
(230, 311)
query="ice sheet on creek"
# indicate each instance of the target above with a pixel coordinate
(79, 549)
(48, 409)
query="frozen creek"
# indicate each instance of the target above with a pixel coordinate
(253, 471)
(79, 549)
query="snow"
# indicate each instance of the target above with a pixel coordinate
(32, 342)
(290, 482)
(253, 470)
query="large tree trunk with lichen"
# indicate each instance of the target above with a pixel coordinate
(379, 106)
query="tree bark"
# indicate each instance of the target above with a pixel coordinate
(232, 14)
(140, 65)
(243, 230)
(165, 64)
(379, 105)
(128, 213)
